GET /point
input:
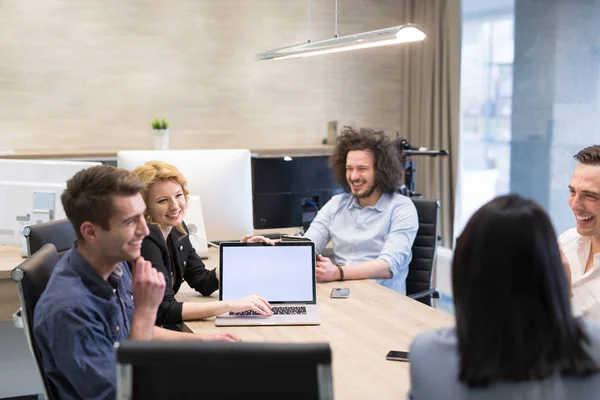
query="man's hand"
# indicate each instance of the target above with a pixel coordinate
(148, 287)
(221, 337)
(258, 239)
(567, 268)
(253, 302)
(326, 270)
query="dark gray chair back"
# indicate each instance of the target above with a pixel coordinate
(32, 276)
(233, 370)
(60, 233)
(420, 269)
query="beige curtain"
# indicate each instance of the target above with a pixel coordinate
(430, 106)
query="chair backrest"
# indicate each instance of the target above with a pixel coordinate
(32, 276)
(60, 233)
(233, 370)
(424, 248)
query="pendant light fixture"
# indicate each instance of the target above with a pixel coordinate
(382, 37)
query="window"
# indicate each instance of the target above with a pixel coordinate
(485, 112)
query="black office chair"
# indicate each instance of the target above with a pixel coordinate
(420, 269)
(32, 276)
(60, 233)
(232, 370)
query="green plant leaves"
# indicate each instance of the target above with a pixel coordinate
(160, 123)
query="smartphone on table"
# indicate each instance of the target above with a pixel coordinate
(340, 293)
(394, 355)
(293, 238)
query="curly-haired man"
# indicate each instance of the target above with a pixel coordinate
(371, 225)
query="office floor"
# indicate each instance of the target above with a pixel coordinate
(18, 375)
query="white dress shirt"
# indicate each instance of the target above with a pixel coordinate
(585, 285)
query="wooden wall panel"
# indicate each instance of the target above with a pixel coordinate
(91, 74)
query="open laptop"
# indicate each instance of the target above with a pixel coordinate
(283, 274)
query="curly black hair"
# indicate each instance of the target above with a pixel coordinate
(388, 169)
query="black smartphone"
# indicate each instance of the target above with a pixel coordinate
(292, 238)
(340, 293)
(397, 355)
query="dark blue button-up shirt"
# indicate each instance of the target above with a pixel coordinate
(76, 322)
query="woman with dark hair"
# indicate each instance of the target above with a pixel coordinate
(515, 334)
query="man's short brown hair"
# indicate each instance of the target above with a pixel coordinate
(388, 169)
(590, 155)
(89, 194)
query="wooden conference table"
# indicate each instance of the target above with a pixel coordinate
(360, 330)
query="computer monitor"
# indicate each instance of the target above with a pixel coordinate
(288, 191)
(228, 370)
(194, 219)
(221, 178)
(41, 170)
(27, 203)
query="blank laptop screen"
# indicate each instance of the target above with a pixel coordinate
(282, 273)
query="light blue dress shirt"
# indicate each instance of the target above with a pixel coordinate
(386, 231)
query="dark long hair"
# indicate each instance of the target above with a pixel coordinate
(388, 169)
(513, 313)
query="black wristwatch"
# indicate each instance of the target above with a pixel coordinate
(341, 272)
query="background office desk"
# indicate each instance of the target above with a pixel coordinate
(111, 154)
(10, 257)
(360, 329)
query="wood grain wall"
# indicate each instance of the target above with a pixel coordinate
(92, 74)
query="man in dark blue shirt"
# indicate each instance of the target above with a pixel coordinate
(92, 300)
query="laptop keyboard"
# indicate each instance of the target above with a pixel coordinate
(276, 311)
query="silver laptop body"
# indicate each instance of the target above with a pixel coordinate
(283, 274)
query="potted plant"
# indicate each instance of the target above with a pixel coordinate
(161, 134)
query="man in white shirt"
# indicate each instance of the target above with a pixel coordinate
(581, 245)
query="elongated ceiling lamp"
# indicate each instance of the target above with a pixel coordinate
(381, 37)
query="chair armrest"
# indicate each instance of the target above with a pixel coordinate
(18, 319)
(433, 293)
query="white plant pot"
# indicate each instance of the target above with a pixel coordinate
(161, 139)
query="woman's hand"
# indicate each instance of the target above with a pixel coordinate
(258, 239)
(253, 302)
